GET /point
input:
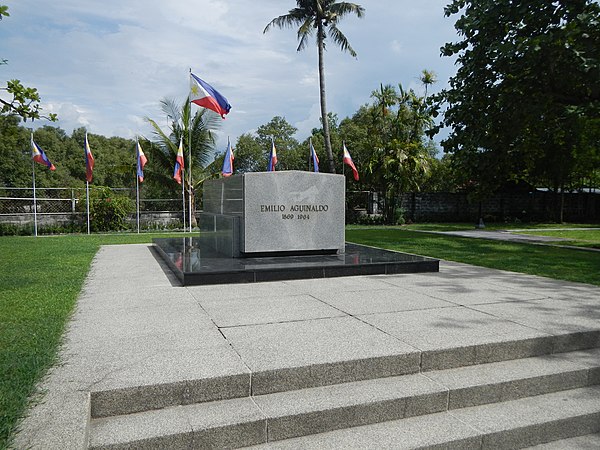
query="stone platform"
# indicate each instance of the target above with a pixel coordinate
(466, 357)
(194, 264)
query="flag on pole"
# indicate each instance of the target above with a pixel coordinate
(179, 165)
(141, 162)
(315, 158)
(89, 160)
(348, 160)
(203, 94)
(39, 156)
(272, 157)
(228, 161)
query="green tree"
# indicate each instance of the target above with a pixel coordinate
(526, 93)
(427, 78)
(390, 142)
(25, 100)
(323, 17)
(183, 126)
(251, 151)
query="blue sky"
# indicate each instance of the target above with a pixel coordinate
(106, 65)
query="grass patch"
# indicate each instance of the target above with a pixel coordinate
(461, 226)
(547, 261)
(580, 238)
(492, 226)
(41, 279)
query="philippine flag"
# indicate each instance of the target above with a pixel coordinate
(348, 160)
(89, 160)
(203, 94)
(272, 157)
(315, 158)
(141, 162)
(179, 166)
(39, 156)
(228, 161)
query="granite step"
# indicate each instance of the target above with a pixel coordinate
(584, 442)
(123, 397)
(508, 425)
(284, 415)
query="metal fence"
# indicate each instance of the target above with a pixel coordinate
(17, 201)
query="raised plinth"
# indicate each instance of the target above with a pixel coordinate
(194, 264)
(289, 212)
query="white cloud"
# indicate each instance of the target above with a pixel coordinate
(107, 66)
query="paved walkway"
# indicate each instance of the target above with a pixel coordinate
(514, 236)
(134, 326)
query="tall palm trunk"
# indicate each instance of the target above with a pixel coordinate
(326, 135)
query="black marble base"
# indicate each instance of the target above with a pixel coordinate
(194, 265)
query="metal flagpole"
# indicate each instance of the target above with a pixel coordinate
(137, 185)
(87, 203)
(190, 157)
(35, 228)
(309, 152)
(343, 164)
(183, 198)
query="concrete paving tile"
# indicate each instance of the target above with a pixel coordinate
(443, 328)
(316, 410)
(535, 420)
(341, 284)
(587, 442)
(260, 310)
(452, 337)
(465, 291)
(442, 430)
(509, 380)
(60, 407)
(113, 324)
(167, 428)
(242, 290)
(140, 297)
(379, 301)
(137, 261)
(171, 378)
(227, 424)
(316, 352)
(550, 316)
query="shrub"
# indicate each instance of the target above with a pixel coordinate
(108, 210)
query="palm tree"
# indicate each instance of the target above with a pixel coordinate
(322, 16)
(427, 78)
(202, 125)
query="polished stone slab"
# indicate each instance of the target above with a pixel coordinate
(194, 264)
(270, 212)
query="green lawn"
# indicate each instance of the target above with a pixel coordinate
(460, 226)
(554, 262)
(40, 280)
(580, 238)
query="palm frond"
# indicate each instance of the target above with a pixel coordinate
(304, 32)
(341, 9)
(340, 39)
(295, 17)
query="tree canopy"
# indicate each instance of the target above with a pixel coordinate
(524, 103)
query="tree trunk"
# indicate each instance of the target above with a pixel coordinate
(321, 46)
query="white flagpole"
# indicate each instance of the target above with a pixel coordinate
(190, 158)
(87, 203)
(309, 152)
(137, 185)
(35, 228)
(183, 197)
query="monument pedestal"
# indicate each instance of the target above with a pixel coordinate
(271, 213)
(270, 226)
